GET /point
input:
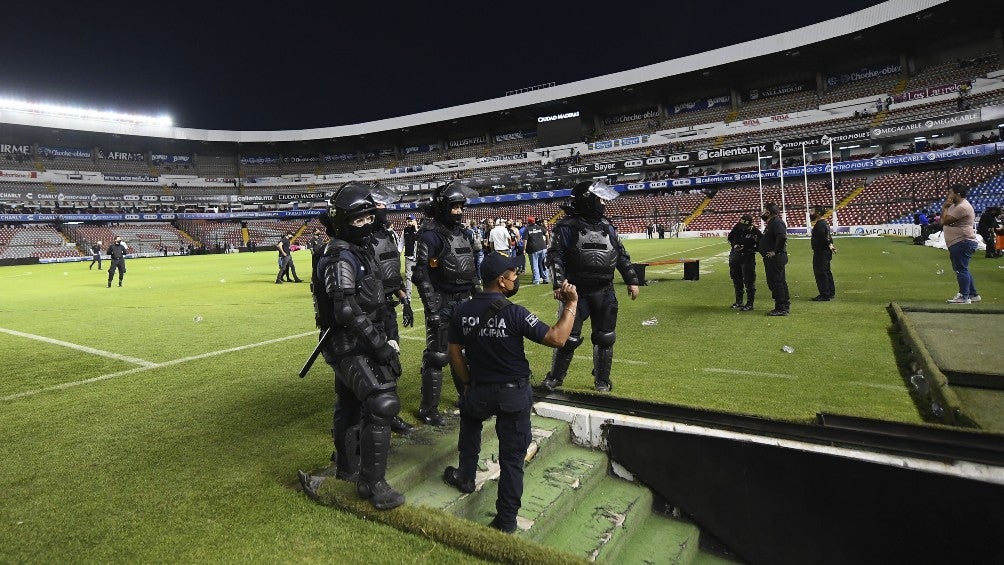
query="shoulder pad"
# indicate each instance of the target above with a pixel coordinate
(336, 246)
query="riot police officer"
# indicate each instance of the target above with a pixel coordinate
(445, 274)
(742, 261)
(349, 299)
(774, 248)
(116, 256)
(585, 250)
(388, 255)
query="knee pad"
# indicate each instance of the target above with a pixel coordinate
(571, 343)
(383, 405)
(437, 359)
(604, 339)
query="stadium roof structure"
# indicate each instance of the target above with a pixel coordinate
(804, 50)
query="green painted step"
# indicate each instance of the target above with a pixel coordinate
(554, 483)
(656, 539)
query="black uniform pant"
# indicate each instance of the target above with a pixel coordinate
(116, 265)
(434, 357)
(286, 267)
(96, 258)
(600, 305)
(824, 276)
(990, 238)
(510, 404)
(742, 269)
(773, 268)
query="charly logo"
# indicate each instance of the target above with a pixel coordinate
(702, 155)
(929, 123)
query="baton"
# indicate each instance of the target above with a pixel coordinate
(317, 351)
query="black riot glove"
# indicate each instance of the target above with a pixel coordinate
(407, 315)
(387, 355)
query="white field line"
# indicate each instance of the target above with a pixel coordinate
(150, 366)
(83, 348)
(677, 254)
(879, 385)
(748, 373)
(616, 360)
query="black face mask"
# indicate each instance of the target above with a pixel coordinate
(813, 217)
(765, 216)
(359, 234)
(380, 217)
(512, 292)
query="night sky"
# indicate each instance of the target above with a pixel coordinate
(280, 65)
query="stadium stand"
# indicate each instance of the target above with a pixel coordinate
(34, 240)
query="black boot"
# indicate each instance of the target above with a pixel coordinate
(603, 360)
(560, 361)
(372, 484)
(432, 388)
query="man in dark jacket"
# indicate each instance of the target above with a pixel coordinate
(773, 246)
(95, 255)
(822, 254)
(116, 256)
(743, 238)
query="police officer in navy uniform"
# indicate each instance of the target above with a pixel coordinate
(116, 256)
(822, 255)
(585, 250)
(445, 275)
(773, 246)
(349, 299)
(388, 255)
(743, 238)
(486, 353)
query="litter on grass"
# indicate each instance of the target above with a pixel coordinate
(651, 322)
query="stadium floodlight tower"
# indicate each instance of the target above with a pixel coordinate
(62, 116)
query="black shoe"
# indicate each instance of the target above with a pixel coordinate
(278, 282)
(777, 313)
(603, 386)
(747, 308)
(399, 426)
(120, 283)
(736, 306)
(381, 495)
(504, 529)
(820, 298)
(551, 383)
(109, 284)
(452, 477)
(431, 416)
(298, 280)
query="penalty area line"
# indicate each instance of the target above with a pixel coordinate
(99, 378)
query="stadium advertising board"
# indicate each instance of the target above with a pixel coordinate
(619, 142)
(122, 156)
(340, 157)
(162, 158)
(300, 159)
(476, 140)
(421, 148)
(701, 104)
(936, 123)
(130, 178)
(922, 93)
(264, 160)
(512, 157)
(499, 137)
(778, 90)
(864, 73)
(64, 152)
(631, 117)
(8, 149)
(18, 174)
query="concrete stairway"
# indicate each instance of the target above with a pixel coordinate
(571, 502)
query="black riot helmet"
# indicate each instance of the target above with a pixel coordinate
(588, 197)
(350, 201)
(445, 197)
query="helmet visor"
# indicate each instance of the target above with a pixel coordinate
(384, 195)
(603, 190)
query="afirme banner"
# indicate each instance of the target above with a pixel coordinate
(924, 126)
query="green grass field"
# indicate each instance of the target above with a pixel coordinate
(163, 421)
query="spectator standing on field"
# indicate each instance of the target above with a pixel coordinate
(959, 221)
